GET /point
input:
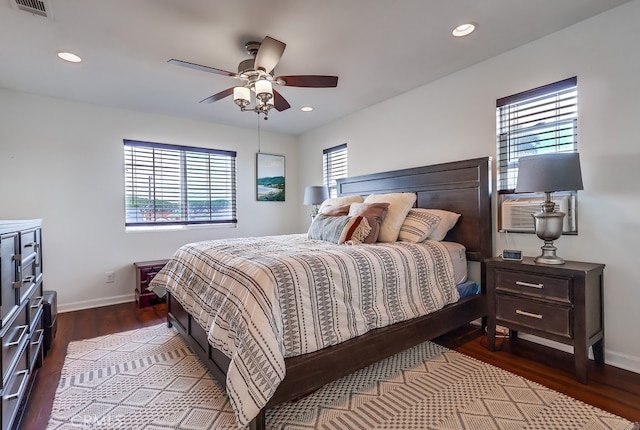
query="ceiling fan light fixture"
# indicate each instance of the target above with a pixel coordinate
(242, 96)
(464, 29)
(264, 90)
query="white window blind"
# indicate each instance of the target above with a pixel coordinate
(171, 184)
(334, 166)
(539, 121)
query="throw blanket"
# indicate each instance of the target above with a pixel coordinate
(263, 299)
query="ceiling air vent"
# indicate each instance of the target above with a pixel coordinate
(36, 7)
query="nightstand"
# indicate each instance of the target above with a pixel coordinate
(563, 303)
(145, 272)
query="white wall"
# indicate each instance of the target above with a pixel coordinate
(454, 118)
(63, 161)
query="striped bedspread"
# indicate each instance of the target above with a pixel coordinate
(267, 298)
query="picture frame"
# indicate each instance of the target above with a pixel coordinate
(270, 177)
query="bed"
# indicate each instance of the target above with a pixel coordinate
(463, 187)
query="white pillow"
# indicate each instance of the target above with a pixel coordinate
(338, 201)
(399, 206)
(447, 220)
(418, 225)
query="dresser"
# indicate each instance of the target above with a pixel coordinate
(563, 303)
(21, 310)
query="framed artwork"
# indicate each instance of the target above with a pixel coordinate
(270, 177)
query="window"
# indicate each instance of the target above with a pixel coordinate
(539, 121)
(178, 185)
(334, 166)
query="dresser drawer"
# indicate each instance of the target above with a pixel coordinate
(36, 339)
(35, 304)
(14, 390)
(29, 276)
(30, 244)
(9, 299)
(534, 285)
(539, 316)
(14, 338)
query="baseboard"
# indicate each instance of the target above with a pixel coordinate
(615, 359)
(612, 358)
(623, 361)
(96, 303)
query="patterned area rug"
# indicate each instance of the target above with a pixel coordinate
(149, 379)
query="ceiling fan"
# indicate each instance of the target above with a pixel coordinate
(257, 76)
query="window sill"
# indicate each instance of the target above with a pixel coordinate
(163, 228)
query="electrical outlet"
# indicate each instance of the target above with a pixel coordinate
(110, 277)
(502, 330)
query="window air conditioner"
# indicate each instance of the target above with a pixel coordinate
(516, 213)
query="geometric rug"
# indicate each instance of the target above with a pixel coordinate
(149, 379)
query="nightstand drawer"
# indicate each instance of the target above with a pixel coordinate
(535, 315)
(534, 285)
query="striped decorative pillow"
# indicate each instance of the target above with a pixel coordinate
(417, 225)
(339, 229)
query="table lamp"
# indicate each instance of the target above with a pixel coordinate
(548, 173)
(315, 195)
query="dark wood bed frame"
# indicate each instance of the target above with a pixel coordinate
(463, 187)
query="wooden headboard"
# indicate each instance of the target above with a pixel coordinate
(460, 186)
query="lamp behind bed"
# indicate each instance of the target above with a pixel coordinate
(315, 195)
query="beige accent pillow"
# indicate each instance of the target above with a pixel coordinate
(417, 226)
(399, 205)
(338, 201)
(341, 210)
(448, 219)
(374, 213)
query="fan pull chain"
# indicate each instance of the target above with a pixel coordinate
(258, 133)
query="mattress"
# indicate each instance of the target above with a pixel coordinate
(458, 254)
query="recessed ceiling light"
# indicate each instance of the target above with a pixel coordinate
(306, 108)
(68, 56)
(464, 29)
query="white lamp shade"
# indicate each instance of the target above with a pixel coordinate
(549, 173)
(315, 194)
(263, 86)
(241, 93)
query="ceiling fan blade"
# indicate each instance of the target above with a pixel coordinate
(201, 68)
(309, 81)
(269, 54)
(218, 96)
(279, 102)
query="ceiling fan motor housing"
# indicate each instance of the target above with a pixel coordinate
(252, 48)
(246, 66)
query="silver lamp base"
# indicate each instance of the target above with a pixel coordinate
(548, 226)
(548, 255)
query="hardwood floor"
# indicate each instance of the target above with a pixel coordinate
(609, 388)
(75, 326)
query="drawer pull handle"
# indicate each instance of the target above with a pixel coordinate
(17, 342)
(29, 245)
(28, 279)
(528, 284)
(37, 305)
(528, 314)
(17, 394)
(41, 335)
